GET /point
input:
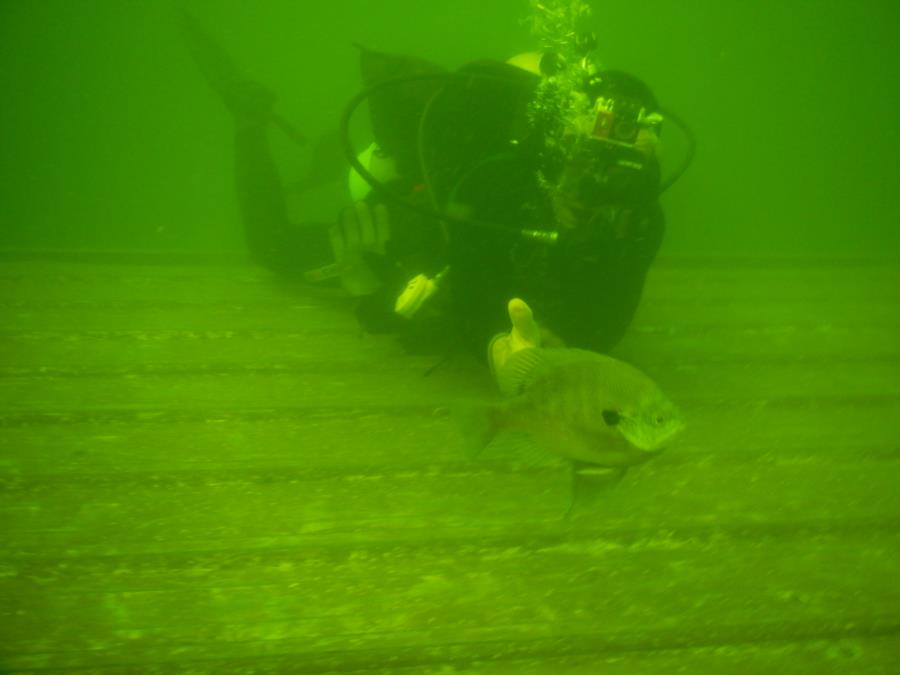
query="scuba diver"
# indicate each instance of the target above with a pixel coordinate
(523, 192)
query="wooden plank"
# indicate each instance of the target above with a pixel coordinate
(49, 281)
(386, 384)
(864, 656)
(187, 509)
(874, 656)
(318, 340)
(860, 656)
(826, 344)
(162, 352)
(103, 335)
(168, 257)
(771, 283)
(545, 597)
(185, 492)
(672, 278)
(803, 322)
(294, 315)
(107, 298)
(248, 293)
(691, 313)
(156, 315)
(290, 311)
(135, 441)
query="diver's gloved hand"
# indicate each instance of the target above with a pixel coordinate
(525, 333)
(250, 102)
(361, 230)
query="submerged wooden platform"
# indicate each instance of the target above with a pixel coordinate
(206, 472)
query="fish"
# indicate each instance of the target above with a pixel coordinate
(589, 409)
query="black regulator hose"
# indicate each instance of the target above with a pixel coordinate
(688, 155)
(380, 187)
(401, 200)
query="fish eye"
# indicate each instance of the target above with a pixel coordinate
(611, 417)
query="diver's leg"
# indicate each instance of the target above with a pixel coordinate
(261, 200)
(273, 240)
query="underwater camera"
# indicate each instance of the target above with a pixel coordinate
(618, 120)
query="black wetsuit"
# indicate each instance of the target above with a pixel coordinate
(467, 142)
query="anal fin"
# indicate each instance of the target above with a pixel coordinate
(589, 483)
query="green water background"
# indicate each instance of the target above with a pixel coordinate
(111, 140)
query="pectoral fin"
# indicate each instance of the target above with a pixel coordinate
(521, 369)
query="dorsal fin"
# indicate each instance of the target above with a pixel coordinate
(521, 369)
(527, 365)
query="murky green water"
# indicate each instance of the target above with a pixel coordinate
(206, 469)
(111, 139)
